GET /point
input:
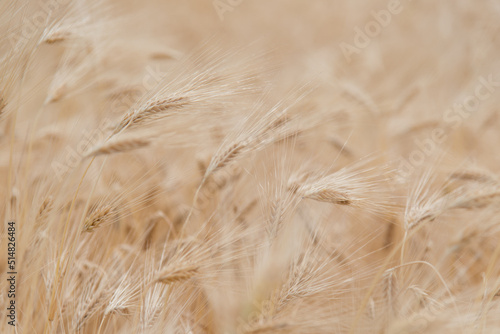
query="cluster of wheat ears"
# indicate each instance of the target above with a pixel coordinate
(173, 168)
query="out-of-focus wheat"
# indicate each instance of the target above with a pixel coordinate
(220, 197)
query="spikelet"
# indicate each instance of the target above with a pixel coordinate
(44, 210)
(349, 186)
(97, 218)
(472, 175)
(425, 205)
(251, 136)
(329, 195)
(424, 299)
(226, 157)
(92, 295)
(57, 36)
(267, 328)
(3, 104)
(391, 291)
(151, 111)
(119, 146)
(279, 209)
(176, 274)
(478, 199)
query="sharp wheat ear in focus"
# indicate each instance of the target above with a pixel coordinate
(97, 217)
(211, 167)
(153, 110)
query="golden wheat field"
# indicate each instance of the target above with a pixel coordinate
(250, 166)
